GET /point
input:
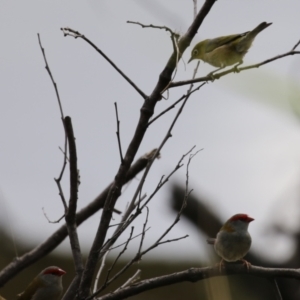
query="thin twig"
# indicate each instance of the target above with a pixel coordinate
(144, 230)
(71, 32)
(232, 70)
(130, 280)
(277, 290)
(131, 239)
(156, 27)
(173, 240)
(129, 221)
(178, 56)
(137, 256)
(146, 112)
(184, 202)
(52, 79)
(118, 133)
(107, 281)
(175, 103)
(164, 180)
(31, 257)
(100, 271)
(174, 38)
(57, 180)
(52, 222)
(165, 139)
(296, 45)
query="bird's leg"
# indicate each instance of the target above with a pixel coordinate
(211, 73)
(221, 265)
(235, 68)
(246, 263)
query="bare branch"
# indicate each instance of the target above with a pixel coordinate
(167, 136)
(131, 239)
(187, 193)
(146, 112)
(175, 103)
(277, 290)
(118, 133)
(197, 274)
(123, 251)
(68, 31)
(173, 240)
(174, 39)
(58, 180)
(71, 212)
(100, 271)
(53, 222)
(156, 27)
(59, 235)
(107, 281)
(131, 280)
(144, 231)
(124, 224)
(52, 79)
(232, 70)
(296, 45)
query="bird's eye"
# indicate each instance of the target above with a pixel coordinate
(195, 52)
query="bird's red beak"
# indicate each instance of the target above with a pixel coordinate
(61, 272)
(249, 219)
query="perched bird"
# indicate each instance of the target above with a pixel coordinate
(227, 50)
(233, 241)
(45, 286)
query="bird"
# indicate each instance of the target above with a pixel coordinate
(45, 286)
(233, 241)
(227, 50)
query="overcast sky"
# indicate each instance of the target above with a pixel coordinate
(244, 122)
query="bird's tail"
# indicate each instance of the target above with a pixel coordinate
(245, 43)
(252, 34)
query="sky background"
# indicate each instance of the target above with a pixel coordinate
(246, 123)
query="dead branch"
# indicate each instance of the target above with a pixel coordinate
(197, 274)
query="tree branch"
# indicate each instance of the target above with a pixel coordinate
(59, 235)
(118, 132)
(146, 113)
(232, 70)
(197, 274)
(71, 211)
(68, 31)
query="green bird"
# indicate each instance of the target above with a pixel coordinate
(227, 50)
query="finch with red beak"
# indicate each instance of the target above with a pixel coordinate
(233, 241)
(45, 286)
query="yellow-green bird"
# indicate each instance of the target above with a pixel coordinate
(227, 50)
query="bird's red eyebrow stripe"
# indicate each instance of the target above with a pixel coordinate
(55, 271)
(241, 217)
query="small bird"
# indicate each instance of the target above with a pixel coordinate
(233, 241)
(45, 286)
(227, 50)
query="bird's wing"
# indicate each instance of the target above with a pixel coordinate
(212, 44)
(29, 291)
